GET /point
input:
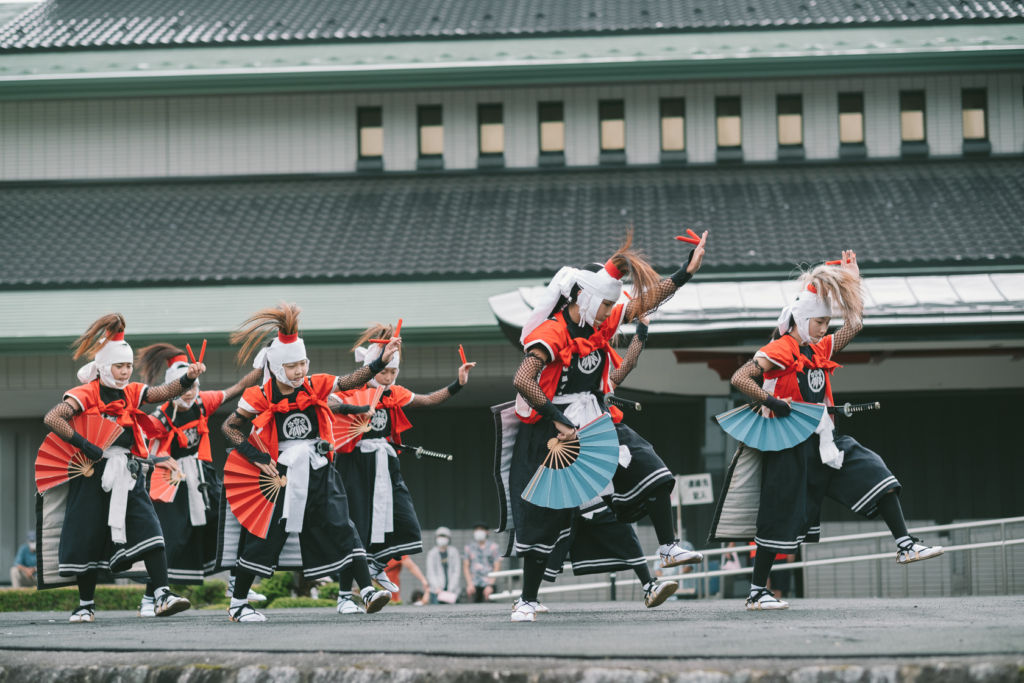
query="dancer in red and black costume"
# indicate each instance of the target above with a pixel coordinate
(791, 484)
(109, 520)
(290, 413)
(567, 370)
(181, 443)
(378, 499)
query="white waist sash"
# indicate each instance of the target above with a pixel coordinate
(299, 457)
(196, 507)
(383, 497)
(117, 481)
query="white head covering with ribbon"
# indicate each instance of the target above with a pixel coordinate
(116, 350)
(372, 353)
(177, 368)
(595, 289)
(283, 350)
(808, 305)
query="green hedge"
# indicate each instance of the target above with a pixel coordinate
(328, 591)
(300, 602)
(107, 597)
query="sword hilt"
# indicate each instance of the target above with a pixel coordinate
(850, 408)
(420, 452)
(611, 399)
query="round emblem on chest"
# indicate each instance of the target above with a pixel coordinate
(816, 379)
(193, 437)
(379, 421)
(590, 362)
(296, 426)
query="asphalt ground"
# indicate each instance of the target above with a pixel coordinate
(820, 629)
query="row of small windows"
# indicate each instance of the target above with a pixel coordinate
(728, 125)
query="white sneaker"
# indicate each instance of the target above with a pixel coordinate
(148, 607)
(346, 605)
(384, 582)
(673, 556)
(524, 611)
(376, 601)
(915, 551)
(245, 614)
(170, 603)
(657, 593)
(82, 615)
(539, 607)
(765, 599)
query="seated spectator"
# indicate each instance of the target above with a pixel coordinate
(482, 558)
(23, 573)
(443, 567)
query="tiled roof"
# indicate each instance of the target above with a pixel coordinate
(469, 225)
(71, 24)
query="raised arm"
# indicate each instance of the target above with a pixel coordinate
(629, 361)
(251, 379)
(667, 287)
(356, 379)
(165, 392)
(438, 397)
(851, 328)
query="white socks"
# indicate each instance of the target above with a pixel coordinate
(148, 598)
(236, 602)
(86, 603)
(159, 592)
(904, 541)
(365, 592)
(754, 589)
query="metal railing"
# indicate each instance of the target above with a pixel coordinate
(706, 574)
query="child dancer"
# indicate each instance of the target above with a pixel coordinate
(181, 443)
(792, 483)
(290, 415)
(109, 520)
(378, 499)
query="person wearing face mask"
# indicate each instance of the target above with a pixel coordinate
(181, 443)
(568, 368)
(379, 501)
(108, 518)
(482, 558)
(443, 569)
(289, 416)
(23, 573)
(789, 486)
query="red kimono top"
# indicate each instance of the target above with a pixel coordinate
(126, 412)
(264, 426)
(793, 366)
(167, 432)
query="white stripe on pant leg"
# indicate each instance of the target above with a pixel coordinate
(638, 489)
(867, 496)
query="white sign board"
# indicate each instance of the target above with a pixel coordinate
(694, 489)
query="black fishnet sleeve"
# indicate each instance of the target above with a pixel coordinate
(748, 380)
(339, 407)
(250, 380)
(165, 392)
(58, 420)
(436, 398)
(629, 361)
(356, 379)
(236, 430)
(662, 292)
(844, 335)
(526, 383)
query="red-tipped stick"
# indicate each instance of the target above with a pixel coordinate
(628, 296)
(190, 356)
(689, 240)
(398, 330)
(378, 341)
(833, 263)
(202, 352)
(692, 234)
(462, 354)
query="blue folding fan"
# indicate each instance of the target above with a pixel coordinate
(575, 471)
(746, 424)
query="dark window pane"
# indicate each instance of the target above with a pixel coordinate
(490, 113)
(790, 104)
(430, 116)
(912, 101)
(612, 111)
(851, 103)
(673, 107)
(551, 111)
(974, 99)
(727, 106)
(370, 117)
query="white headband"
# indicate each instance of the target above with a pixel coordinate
(370, 354)
(808, 305)
(595, 288)
(112, 352)
(273, 358)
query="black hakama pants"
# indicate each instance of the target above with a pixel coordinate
(85, 541)
(538, 530)
(358, 473)
(328, 540)
(597, 545)
(191, 550)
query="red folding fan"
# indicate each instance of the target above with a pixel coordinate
(251, 494)
(58, 461)
(163, 485)
(349, 429)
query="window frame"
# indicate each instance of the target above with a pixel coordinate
(360, 112)
(420, 125)
(670, 101)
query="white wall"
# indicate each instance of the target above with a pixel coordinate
(316, 133)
